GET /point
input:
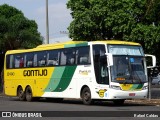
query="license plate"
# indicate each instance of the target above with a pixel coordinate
(132, 94)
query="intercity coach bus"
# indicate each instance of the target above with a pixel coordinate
(96, 70)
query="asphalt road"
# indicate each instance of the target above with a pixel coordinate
(75, 110)
(155, 91)
(69, 109)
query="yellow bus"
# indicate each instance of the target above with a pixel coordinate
(97, 70)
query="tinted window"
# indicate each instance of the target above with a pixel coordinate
(83, 56)
(68, 56)
(29, 59)
(18, 60)
(40, 59)
(53, 58)
(10, 61)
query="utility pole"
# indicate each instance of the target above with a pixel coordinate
(47, 24)
(149, 88)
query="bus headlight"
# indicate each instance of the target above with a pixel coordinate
(145, 87)
(115, 87)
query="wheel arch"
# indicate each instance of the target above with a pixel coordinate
(30, 88)
(84, 86)
(27, 87)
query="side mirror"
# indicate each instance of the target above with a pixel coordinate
(109, 59)
(153, 60)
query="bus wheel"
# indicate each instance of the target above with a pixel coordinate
(86, 96)
(29, 96)
(21, 94)
(119, 102)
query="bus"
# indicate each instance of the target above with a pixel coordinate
(96, 70)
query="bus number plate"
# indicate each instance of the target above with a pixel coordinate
(132, 94)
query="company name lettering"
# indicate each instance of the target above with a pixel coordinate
(42, 72)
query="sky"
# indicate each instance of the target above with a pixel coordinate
(59, 15)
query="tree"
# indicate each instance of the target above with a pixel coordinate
(131, 20)
(16, 30)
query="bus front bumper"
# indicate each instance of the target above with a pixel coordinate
(119, 94)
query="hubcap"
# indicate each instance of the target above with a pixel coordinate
(86, 96)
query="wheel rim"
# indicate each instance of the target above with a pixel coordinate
(87, 96)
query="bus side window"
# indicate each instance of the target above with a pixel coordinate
(21, 64)
(29, 63)
(8, 65)
(41, 58)
(9, 61)
(83, 60)
(29, 60)
(53, 57)
(63, 57)
(18, 61)
(83, 56)
(70, 56)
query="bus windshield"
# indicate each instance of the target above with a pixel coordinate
(128, 69)
(125, 50)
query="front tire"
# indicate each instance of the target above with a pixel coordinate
(86, 96)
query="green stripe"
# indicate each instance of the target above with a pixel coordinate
(140, 86)
(66, 78)
(55, 79)
(136, 86)
(76, 45)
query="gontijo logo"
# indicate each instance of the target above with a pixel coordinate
(42, 72)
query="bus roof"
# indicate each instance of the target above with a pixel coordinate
(116, 42)
(92, 42)
(71, 44)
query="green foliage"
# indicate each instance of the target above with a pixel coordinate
(17, 31)
(131, 20)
